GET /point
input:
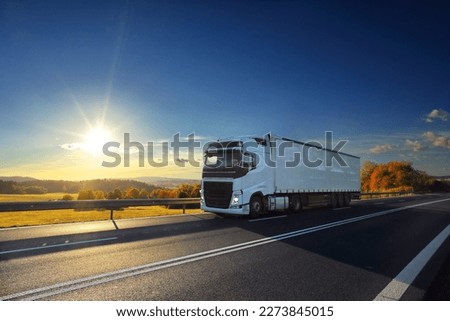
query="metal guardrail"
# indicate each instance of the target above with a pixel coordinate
(383, 194)
(110, 205)
(123, 203)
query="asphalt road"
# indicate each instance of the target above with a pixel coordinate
(355, 253)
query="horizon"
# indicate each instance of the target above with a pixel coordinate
(77, 75)
(139, 179)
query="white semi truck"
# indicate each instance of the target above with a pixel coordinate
(254, 175)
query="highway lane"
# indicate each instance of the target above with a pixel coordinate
(350, 261)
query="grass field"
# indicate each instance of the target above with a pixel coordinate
(34, 197)
(29, 218)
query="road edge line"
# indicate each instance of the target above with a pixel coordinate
(398, 286)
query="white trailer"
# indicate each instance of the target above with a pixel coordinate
(254, 175)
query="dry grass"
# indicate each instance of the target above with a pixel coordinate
(29, 218)
(384, 195)
(34, 197)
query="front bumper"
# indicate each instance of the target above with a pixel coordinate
(244, 210)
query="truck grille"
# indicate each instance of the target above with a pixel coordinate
(217, 194)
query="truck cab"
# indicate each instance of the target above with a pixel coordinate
(233, 171)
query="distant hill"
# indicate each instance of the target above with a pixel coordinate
(30, 185)
(165, 181)
(443, 178)
(17, 179)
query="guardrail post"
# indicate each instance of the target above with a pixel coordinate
(111, 215)
(184, 209)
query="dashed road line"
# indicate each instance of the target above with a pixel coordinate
(267, 218)
(58, 245)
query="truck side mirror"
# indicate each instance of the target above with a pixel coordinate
(248, 161)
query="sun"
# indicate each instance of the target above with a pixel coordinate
(96, 138)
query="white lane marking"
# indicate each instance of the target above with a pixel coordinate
(341, 208)
(64, 287)
(398, 286)
(58, 245)
(401, 200)
(161, 216)
(267, 218)
(379, 203)
(56, 225)
(99, 221)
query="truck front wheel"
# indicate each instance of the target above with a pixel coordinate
(256, 206)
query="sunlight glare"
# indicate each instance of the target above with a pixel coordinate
(95, 139)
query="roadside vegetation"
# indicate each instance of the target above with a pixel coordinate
(34, 197)
(27, 218)
(398, 176)
(395, 176)
(182, 191)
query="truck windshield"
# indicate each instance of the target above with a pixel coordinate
(228, 158)
(224, 161)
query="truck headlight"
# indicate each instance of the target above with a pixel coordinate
(236, 199)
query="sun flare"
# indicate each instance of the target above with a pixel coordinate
(96, 138)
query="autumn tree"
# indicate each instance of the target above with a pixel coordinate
(91, 195)
(99, 195)
(132, 193)
(115, 195)
(395, 176)
(164, 193)
(86, 195)
(366, 172)
(143, 193)
(188, 190)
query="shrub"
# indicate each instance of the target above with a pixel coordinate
(67, 197)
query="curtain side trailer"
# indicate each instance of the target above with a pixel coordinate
(254, 175)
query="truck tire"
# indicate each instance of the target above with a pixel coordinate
(256, 206)
(341, 201)
(334, 200)
(295, 204)
(347, 199)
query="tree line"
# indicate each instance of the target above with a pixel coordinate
(395, 176)
(99, 189)
(398, 176)
(10, 187)
(62, 186)
(182, 191)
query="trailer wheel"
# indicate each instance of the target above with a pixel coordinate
(341, 199)
(347, 199)
(334, 202)
(295, 204)
(256, 206)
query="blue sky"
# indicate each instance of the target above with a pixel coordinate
(375, 74)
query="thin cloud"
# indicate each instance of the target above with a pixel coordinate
(72, 146)
(437, 140)
(437, 114)
(414, 145)
(379, 149)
